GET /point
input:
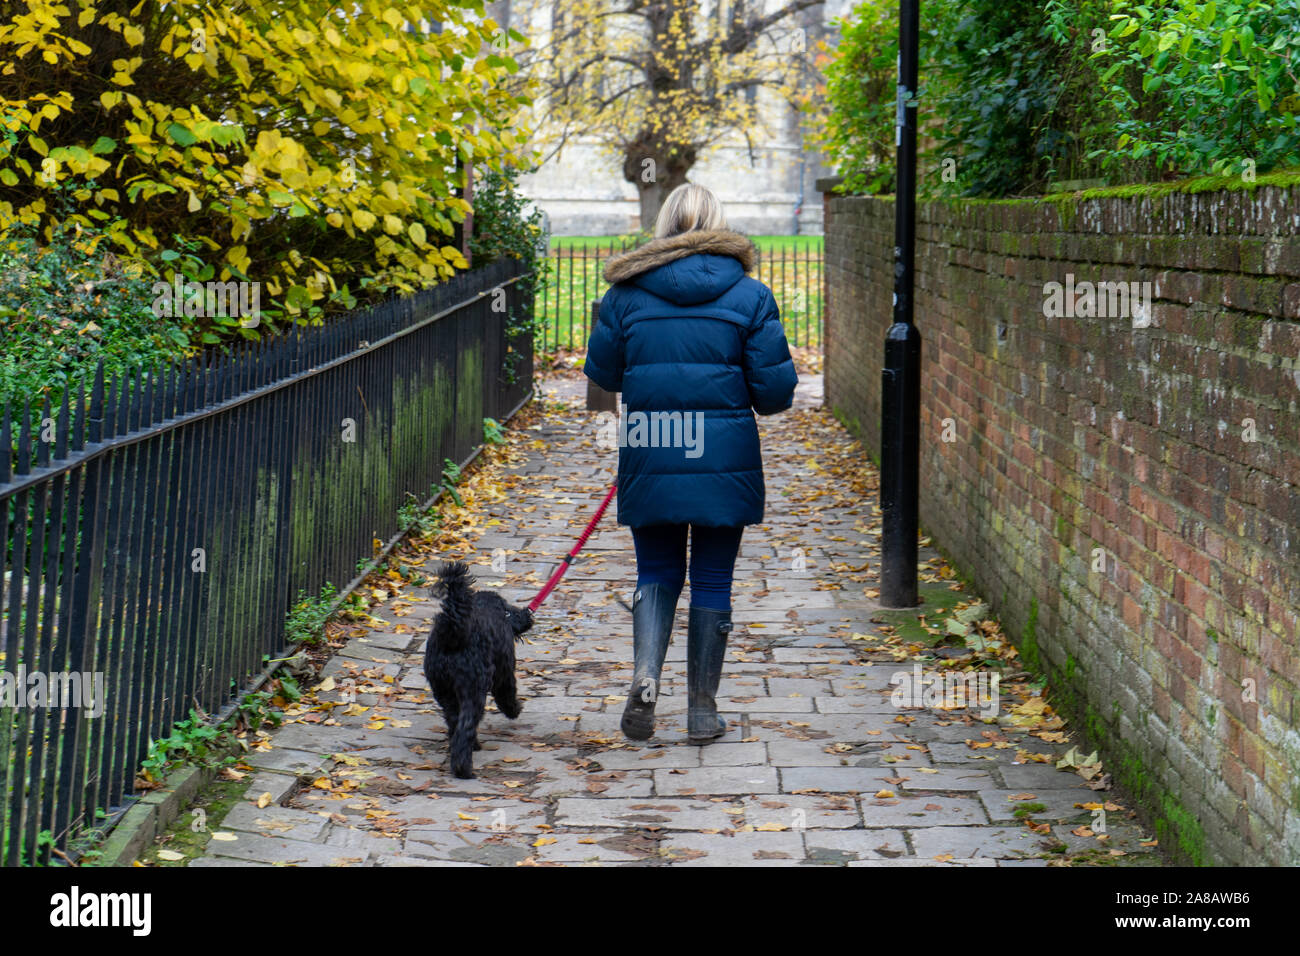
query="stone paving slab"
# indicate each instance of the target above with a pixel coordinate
(998, 842)
(1058, 804)
(737, 849)
(283, 852)
(287, 761)
(716, 780)
(802, 812)
(1040, 776)
(273, 821)
(925, 811)
(936, 861)
(595, 847)
(846, 846)
(407, 861)
(818, 766)
(662, 813)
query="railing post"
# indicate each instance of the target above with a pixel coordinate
(285, 455)
(18, 733)
(85, 606)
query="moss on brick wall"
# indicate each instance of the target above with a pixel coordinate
(1123, 487)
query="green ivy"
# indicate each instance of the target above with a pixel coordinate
(1007, 101)
(66, 305)
(505, 227)
(1204, 88)
(860, 82)
(997, 97)
(493, 433)
(305, 621)
(1016, 95)
(190, 739)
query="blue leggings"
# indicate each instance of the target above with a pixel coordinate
(661, 559)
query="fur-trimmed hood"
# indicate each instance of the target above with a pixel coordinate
(681, 328)
(659, 252)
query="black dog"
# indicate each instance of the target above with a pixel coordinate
(470, 653)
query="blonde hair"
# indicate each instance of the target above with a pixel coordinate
(687, 208)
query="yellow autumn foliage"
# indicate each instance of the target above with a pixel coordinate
(302, 146)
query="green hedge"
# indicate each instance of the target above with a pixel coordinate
(1019, 94)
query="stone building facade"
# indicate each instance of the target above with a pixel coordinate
(767, 188)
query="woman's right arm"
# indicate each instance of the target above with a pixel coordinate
(605, 348)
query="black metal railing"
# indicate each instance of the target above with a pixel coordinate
(792, 268)
(158, 527)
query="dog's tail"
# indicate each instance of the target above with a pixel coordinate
(454, 582)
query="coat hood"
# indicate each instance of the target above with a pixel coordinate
(688, 268)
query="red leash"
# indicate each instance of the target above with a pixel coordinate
(568, 558)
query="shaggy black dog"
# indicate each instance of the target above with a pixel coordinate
(470, 653)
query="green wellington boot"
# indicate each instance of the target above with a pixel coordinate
(706, 643)
(652, 627)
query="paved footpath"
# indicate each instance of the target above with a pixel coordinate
(819, 765)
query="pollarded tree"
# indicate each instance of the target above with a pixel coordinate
(302, 143)
(658, 82)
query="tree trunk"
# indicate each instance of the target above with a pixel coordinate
(663, 177)
(651, 199)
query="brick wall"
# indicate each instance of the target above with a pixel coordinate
(1175, 644)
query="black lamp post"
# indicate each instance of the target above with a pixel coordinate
(900, 427)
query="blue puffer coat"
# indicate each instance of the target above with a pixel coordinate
(696, 347)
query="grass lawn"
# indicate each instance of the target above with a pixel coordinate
(791, 266)
(764, 243)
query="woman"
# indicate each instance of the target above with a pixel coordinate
(696, 347)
